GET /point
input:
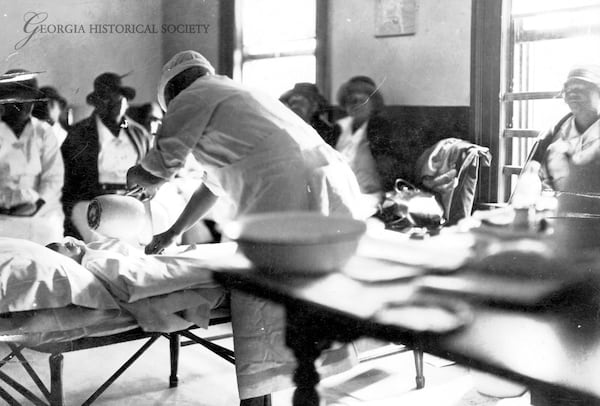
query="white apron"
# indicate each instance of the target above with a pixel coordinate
(277, 176)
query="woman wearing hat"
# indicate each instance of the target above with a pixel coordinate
(99, 150)
(364, 137)
(567, 157)
(31, 166)
(261, 157)
(307, 102)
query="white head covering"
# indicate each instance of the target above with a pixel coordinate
(587, 73)
(177, 64)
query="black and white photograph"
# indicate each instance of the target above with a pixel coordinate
(300, 202)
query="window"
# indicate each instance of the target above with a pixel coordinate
(544, 39)
(277, 43)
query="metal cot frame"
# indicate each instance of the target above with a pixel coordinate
(54, 396)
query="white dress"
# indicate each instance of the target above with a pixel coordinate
(31, 168)
(261, 157)
(354, 146)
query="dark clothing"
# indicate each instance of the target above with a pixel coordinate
(380, 138)
(80, 152)
(539, 150)
(324, 129)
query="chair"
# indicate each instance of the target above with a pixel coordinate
(465, 157)
(458, 203)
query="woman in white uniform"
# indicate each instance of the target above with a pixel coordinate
(31, 166)
(261, 157)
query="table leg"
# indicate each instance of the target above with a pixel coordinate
(304, 338)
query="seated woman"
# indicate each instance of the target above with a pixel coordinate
(98, 151)
(309, 104)
(31, 166)
(364, 137)
(567, 157)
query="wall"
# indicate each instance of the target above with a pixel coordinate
(430, 68)
(203, 12)
(71, 61)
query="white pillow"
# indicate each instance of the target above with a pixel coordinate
(34, 277)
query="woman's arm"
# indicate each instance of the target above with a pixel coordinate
(199, 204)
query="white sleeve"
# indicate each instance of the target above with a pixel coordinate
(52, 175)
(183, 126)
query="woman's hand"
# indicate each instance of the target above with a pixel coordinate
(161, 241)
(138, 176)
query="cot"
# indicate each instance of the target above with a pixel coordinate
(51, 304)
(54, 394)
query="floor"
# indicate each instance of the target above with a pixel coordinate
(206, 379)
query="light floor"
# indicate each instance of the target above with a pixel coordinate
(206, 379)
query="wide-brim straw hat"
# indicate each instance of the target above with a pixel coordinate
(19, 86)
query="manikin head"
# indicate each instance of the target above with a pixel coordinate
(69, 247)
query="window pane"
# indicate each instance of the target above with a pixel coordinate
(537, 114)
(303, 46)
(277, 75)
(558, 21)
(267, 24)
(531, 6)
(543, 65)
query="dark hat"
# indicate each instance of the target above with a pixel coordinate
(360, 84)
(109, 83)
(308, 90)
(19, 86)
(51, 93)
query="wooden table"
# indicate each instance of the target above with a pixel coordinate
(554, 351)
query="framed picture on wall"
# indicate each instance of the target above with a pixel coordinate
(395, 17)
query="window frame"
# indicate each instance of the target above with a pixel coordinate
(492, 97)
(232, 54)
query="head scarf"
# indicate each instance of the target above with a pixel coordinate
(177, 64)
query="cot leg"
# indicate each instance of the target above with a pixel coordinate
(420, 379)
(56, 387)
(174, 346)
(4, 395)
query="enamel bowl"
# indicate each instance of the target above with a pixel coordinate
(297, 242)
